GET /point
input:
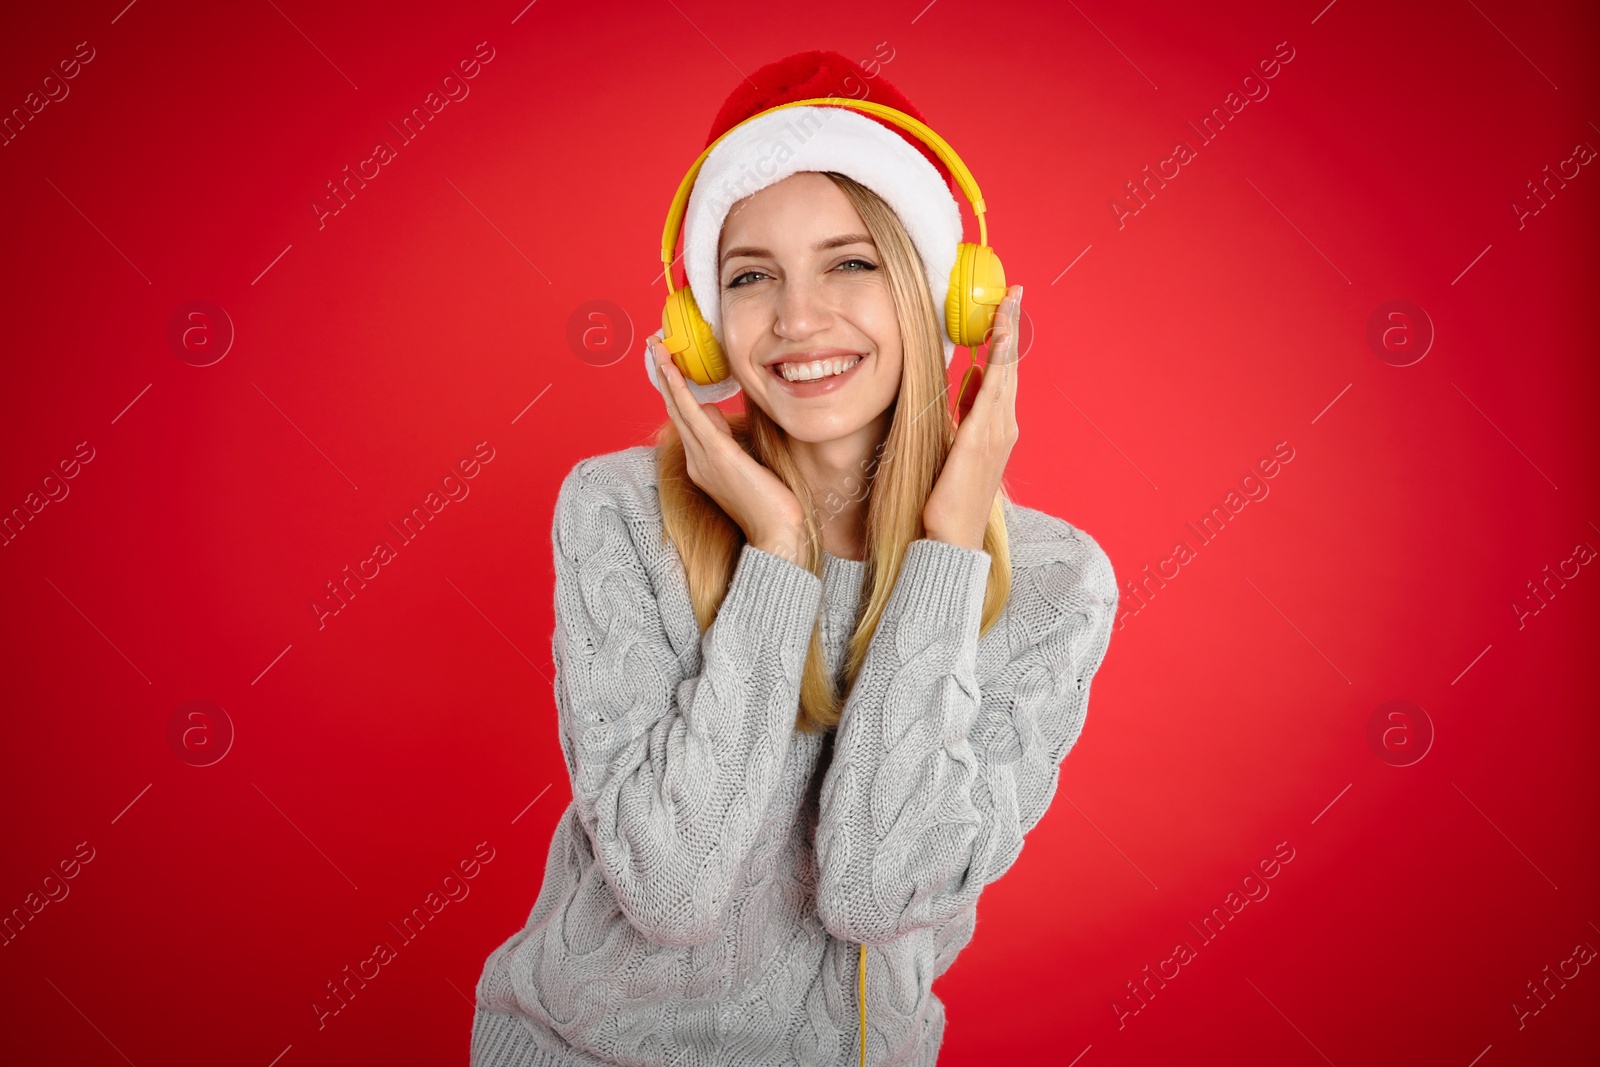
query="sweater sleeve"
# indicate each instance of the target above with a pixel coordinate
(671, 774)
(935, 778)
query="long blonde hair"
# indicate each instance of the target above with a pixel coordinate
(907, 465)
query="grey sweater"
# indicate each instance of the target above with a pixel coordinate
(708, 888)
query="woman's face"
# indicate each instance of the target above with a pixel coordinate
(801, 281)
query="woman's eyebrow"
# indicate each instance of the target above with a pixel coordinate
(821, 246)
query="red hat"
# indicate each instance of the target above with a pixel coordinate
(808, 75)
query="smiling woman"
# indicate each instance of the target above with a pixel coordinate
(816, 365)
(800, 744)
(801, 267)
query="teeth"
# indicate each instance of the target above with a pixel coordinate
(822, 368)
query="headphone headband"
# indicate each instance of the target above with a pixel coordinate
(920, 130)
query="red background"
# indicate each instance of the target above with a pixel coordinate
(373, 353)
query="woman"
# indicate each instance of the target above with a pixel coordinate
(816, 672)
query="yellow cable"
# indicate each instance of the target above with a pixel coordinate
(861, 996)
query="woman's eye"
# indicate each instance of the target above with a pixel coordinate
(738, 281)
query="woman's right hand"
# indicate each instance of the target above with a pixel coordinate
(765, 509)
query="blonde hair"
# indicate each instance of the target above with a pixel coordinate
(907, 466)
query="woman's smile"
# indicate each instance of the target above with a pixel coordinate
(807, 386)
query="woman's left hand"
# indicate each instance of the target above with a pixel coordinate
(958, 509)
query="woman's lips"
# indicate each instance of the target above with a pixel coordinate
(816, 386)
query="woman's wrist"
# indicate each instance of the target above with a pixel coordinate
(782, 547)
(785, 539)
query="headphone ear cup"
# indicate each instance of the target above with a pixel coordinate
(687, 335)
(977, 286)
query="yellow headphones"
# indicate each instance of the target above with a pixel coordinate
(977, 281)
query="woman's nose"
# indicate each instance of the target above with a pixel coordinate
(802, 309)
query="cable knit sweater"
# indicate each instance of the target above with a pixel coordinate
(708, 888)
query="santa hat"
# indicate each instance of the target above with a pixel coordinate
(890, 161)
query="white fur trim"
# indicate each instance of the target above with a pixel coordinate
(817, 139)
